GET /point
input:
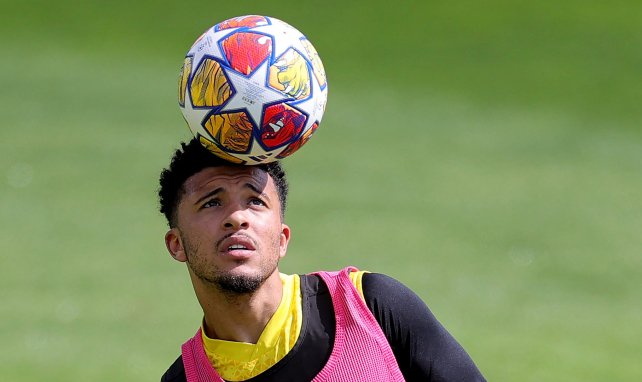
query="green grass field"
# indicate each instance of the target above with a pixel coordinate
(489, 155)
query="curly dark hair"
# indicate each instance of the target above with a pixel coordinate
(190, 159)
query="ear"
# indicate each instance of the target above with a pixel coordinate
(174, 245)
(285, 239)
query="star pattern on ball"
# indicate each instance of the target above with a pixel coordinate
(195, 116)
(209, 46)
(259, 153)
(251, 93)
(314, 105)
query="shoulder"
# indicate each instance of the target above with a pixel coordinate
(377, 286)
(378, 280)
(373, 287)
(396, 307)
(176, 372)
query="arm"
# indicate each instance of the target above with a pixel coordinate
(176, 372)
(424, 349)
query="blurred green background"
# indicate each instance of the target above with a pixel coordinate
(487, 154)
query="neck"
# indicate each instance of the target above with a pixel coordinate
(238, 317)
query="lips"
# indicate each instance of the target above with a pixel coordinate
(236, 245)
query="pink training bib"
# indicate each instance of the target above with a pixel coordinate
(361, 351)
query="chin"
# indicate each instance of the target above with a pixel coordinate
(239, 283)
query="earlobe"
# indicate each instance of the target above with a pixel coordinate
(285, 239)
(174, 245)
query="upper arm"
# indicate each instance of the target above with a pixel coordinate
(424, 349)
(176, 372)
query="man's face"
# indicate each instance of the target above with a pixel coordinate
(229, 228)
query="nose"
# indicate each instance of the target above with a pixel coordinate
(236, 219)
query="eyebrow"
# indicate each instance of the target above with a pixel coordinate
(255, 189)
(209, 195)
(220, 189)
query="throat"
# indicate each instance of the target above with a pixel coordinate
(240, 314)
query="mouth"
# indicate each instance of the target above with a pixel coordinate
(237, 246)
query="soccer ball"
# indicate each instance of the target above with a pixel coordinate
(252, 89)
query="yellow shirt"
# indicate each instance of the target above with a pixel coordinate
(238, 361)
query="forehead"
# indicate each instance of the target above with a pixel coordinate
(228, 177)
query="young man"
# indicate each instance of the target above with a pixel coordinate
(227, 224)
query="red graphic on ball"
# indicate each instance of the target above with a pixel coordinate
(245, 51)
(281, 124)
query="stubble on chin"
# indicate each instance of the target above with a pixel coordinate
(238, 284)
(228, 283)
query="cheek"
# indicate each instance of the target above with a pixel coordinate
(195, 235)
(271, 234)
(204, 224)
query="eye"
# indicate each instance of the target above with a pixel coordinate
(257, 202)
(212, 203)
